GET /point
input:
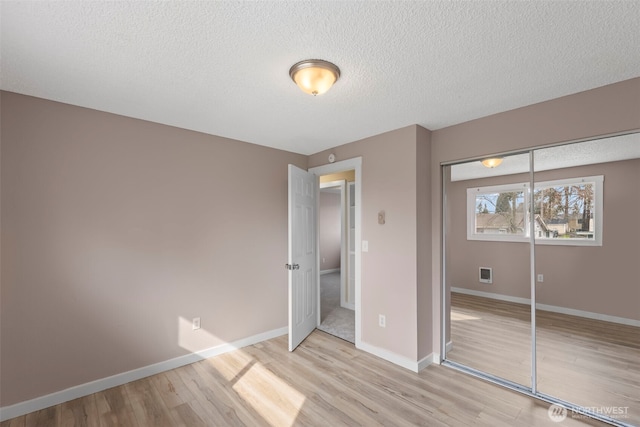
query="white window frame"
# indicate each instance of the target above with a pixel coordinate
(598, 196)
(471, 212)
(598, 182)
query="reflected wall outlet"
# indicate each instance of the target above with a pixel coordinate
(540, 278)
(382, 320)
(196, 323)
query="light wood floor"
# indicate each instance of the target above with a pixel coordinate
(325, 382)
(588, 362)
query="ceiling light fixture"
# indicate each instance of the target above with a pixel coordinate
(492, 162)
(314, 76)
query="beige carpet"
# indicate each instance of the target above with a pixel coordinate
(336, 320)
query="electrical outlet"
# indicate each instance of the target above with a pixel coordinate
(196, 323)
(540, 278)
(382, 320)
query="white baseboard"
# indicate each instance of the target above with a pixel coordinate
(589, 315)
(22, 408)
(436, 356)
(435, 359)
(491, 295)
(331, 270)
(552, 308)
(412, 365)
(347, 305)
(427, 360)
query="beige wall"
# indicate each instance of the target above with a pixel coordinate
(329, 222)
(393, 170)
(601, 279)
(113, 229)
(424, 236)
(601, 111)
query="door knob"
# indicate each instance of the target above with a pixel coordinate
(292, 267)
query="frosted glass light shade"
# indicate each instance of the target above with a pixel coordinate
(492, 163)
(314, 76)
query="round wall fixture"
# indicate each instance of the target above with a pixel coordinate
(332, 158)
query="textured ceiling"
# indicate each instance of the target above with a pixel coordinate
(611, 149)
(222, 67)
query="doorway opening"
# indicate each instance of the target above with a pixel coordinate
(339, 254)
(336, 237)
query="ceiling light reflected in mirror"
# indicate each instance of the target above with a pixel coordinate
(603, 150)
(492, 162)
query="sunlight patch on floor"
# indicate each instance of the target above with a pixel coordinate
(270, 396)
(459, 316)
(263, 390)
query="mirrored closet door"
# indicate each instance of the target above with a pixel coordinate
(541, 290)
(488, 272)
(587, 207)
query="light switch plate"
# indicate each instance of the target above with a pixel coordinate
(365, 246)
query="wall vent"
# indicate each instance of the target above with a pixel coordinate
(486, 275)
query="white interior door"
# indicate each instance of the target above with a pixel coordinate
(303, 247)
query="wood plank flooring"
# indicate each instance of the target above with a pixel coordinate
(588, 362)
(325, 382)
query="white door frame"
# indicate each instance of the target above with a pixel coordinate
(341, 166)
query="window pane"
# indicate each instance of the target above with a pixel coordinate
(565, 211)
(501, 213)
